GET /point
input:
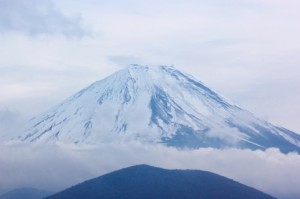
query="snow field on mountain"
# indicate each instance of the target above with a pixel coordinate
(158, 105)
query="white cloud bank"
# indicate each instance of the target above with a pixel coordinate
(57, 167)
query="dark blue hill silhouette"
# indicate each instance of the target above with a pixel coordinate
(25, 193)
(147, 182)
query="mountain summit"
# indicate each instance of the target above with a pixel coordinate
(155, 105)
(147, 182)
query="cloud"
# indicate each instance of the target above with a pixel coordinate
(35, 17)
(124, 60)
(10, 121)
(57, 167)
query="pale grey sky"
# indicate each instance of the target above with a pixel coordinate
(246, 50)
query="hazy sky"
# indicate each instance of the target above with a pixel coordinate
(247, 50)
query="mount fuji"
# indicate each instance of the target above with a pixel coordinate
(155, 105)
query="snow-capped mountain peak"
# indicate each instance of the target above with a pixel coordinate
(158, 105)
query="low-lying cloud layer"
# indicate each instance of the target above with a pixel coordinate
(57, 167)
(10, 121)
